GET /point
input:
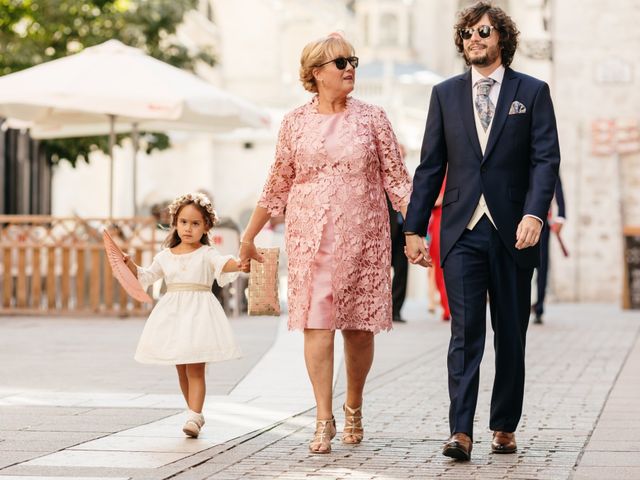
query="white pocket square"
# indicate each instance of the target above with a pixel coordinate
(517, 107)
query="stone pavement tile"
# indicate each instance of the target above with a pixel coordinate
(38, 477)
(614, 434)
(616, 401)
(61, 419)
(610, 459)
(606, 473)
(19, 417)
(22, 410)
(12, 458)
(630, 424)
(62, 473)
(142, 444)
(614, 445)
(80, 425)
(129, 415)
(41, 441)
(80, 458)
(620, 415)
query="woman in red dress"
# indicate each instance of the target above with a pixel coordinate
(434, 251)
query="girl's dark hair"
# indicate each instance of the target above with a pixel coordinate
(502, 22)
(203, 204)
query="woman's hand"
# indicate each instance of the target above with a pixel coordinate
(248, 252)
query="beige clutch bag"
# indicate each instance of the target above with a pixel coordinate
(263, 284)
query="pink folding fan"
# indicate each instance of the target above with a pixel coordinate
(120, 270)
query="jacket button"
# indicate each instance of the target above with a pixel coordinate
(483, 169)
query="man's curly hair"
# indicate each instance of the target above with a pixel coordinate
(502, 22)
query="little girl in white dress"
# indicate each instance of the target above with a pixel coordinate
(188, 327)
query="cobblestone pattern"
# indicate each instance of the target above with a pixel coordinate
(572, 364)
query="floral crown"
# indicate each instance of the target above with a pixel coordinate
(198, 198)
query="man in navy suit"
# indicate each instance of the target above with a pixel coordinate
(543, 268)
(493, 131)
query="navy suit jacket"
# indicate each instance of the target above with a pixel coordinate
(517, 172)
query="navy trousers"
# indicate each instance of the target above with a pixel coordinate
(478, 265)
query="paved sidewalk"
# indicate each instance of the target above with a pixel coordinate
(582, 390)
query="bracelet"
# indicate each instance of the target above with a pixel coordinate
(245, 242)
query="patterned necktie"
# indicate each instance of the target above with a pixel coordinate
(484, 105)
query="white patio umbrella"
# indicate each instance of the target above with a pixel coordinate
(112, 88)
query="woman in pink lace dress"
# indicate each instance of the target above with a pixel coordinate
(335, 158)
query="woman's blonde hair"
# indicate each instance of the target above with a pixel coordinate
(319, 51)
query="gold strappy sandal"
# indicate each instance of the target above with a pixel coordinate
(353, 432)
(325, 431)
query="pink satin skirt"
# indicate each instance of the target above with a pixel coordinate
(321, 307)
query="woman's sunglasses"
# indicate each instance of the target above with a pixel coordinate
(341, 62)
(483, 31)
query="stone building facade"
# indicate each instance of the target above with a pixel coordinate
(586, 51)
(596, 78)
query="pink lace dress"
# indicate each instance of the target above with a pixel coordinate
(330, 174)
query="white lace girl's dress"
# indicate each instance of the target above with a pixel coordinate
(188, 325)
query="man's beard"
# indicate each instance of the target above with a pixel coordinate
(485, 59)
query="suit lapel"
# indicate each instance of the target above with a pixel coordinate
(467, 110)
(507, 94)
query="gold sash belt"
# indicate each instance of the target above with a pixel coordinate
(188, 287)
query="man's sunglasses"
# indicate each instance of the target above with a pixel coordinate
(341, 62)
(483, 30)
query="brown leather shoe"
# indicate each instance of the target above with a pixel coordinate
(458, 446)
(503, 442)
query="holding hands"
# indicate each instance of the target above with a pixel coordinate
(248, 251)
(417, 251)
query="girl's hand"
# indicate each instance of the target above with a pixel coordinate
(234, 265)
(131, 265)
(244, 267)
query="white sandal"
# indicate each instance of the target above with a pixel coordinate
(194, 423)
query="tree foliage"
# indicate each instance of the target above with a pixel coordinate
(36, 31)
